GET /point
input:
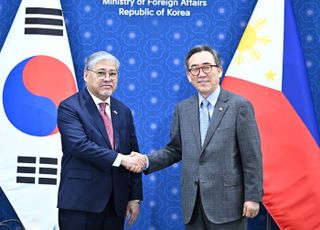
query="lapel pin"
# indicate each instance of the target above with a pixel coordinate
(115, 112)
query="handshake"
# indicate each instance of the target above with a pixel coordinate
(135, 162)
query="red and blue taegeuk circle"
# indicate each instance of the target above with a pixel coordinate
(32, 92)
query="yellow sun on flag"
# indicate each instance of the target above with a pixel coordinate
(250, 39)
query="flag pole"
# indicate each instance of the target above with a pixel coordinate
(268, 221)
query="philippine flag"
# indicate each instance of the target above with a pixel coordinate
(268, 68)
(36, 74)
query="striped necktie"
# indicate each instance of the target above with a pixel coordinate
(107, 122)
(204, 119)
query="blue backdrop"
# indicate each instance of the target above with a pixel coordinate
(152, 77)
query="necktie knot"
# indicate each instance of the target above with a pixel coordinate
(102, 106)
(205, 103)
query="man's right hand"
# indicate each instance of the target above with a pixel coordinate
(142, 159)
(134, 162)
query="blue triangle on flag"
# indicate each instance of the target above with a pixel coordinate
(295, 82)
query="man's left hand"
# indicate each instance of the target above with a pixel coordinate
(132, 212)
(250, 209)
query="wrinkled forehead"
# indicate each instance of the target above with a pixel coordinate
(105, 65)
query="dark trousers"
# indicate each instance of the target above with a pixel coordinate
(106, 220)
(199, 220)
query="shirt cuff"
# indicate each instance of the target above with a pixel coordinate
(117, 161)
(138, 201)
(147, 163)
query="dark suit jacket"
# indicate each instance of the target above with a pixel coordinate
(87, 175)
(227, 169)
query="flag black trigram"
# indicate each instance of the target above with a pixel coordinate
(28, 173)
(43, 21)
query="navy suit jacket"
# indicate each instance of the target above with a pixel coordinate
(87, 176)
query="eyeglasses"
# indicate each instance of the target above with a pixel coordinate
(195, 71)
(101, 75)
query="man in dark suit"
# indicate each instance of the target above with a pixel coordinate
(97, 132)
(215, 135)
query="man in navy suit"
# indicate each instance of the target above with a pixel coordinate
(97, 133)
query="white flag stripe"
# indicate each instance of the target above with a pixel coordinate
(43, 16)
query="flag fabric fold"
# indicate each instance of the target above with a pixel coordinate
(36, 74)
(269, 69)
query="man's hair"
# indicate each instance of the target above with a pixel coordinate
(99, 56)
(200, 48)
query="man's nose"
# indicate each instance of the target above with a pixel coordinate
(201, 73)
(107, 77)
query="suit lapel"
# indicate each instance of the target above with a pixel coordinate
(115, 121)
(95, 115)
(193, 114)
(219, 110)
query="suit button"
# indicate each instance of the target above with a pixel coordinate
(196, 182)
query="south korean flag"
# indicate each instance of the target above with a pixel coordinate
(36, 75)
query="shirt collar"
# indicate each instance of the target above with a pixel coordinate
(212, 98)
(97, 100)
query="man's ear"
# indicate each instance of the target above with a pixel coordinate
(221, 72)
(188, 76)
(85, 75)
